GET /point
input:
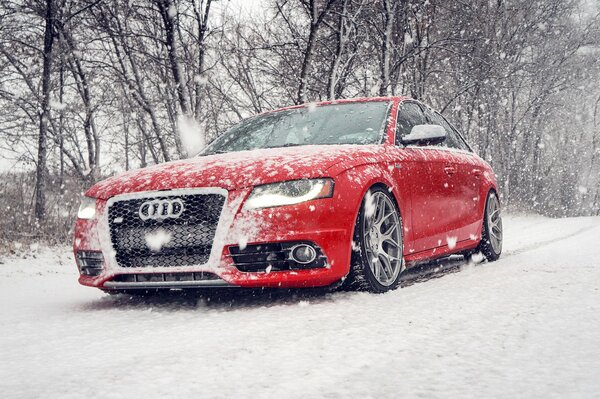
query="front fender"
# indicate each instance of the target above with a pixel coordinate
(359, 179)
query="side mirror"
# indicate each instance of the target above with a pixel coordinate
(425, 135)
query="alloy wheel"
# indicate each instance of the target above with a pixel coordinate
(382, 237)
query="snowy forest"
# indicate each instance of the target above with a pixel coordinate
(89, 88)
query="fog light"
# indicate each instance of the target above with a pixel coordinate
(303, 254)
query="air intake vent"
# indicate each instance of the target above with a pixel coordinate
(274, 257)
(90, 263)
(160, 277)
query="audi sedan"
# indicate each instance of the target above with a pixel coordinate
(347, 193)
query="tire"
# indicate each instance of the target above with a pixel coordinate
(491, 232)
(377, 262)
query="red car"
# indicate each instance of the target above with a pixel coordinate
(348, 192)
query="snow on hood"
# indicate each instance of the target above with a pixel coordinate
(237, 170)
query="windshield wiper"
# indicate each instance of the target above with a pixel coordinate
(286, 145)
(214, 152)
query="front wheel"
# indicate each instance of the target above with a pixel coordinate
(377, 245)
(491, 232)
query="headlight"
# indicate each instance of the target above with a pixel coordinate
(289, 193)
(87, 209)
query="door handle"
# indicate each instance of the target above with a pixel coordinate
(450, 170)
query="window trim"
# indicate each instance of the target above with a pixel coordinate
(470, 149)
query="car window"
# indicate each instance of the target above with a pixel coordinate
(409, 115)
(452, 141)
(462, 144)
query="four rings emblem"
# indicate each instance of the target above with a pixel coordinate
(160, 209)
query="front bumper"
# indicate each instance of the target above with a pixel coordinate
(328, 223)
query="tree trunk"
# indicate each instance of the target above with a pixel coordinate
(202, 22)
(301, 98)
(165, 8)
(40, 173)
(386, 47)
(339, 50)
(61, 125)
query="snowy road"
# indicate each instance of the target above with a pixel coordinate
(525, 326)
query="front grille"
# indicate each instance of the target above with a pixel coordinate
(185, 238)
(273, 257)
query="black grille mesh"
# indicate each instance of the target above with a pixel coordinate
(191, 234)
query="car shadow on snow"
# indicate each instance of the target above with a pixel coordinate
(220, 299)
(434, 269)
(236, 298)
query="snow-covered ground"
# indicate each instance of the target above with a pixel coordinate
(525, 326)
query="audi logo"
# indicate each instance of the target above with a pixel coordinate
(161, 209)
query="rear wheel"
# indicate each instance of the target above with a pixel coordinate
(491, 234)
(377, 246)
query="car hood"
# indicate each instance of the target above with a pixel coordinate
(237, 170)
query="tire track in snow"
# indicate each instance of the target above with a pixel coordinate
(444, 266)
(536, 245)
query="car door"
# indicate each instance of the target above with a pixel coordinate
(469, 175)
(413, 173)
(456, 185)
(434, 223)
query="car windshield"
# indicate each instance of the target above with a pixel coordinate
(350, 123)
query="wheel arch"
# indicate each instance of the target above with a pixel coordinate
(386, 184)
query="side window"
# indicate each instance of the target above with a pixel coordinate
(462, 144)
(409, 115)
(452, 141)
